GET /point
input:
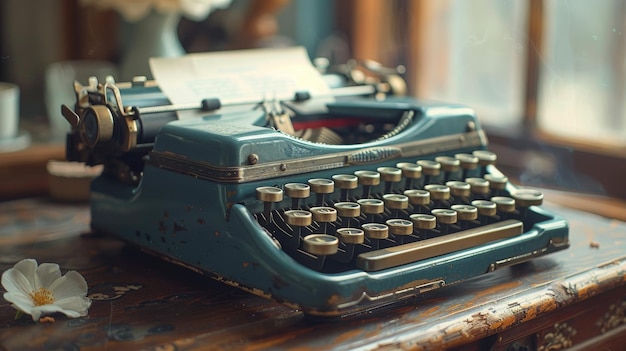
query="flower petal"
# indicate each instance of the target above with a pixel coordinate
(20, 302)
(75, 303)
(14, 280)
(37, 311)
(27, 267)
(71, 284)
(46, 274)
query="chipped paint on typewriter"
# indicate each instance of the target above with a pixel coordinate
(333, 206)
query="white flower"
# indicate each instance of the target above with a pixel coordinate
(38, 290)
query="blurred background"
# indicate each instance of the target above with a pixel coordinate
(546, 77)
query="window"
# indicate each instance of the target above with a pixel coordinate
(546, 78)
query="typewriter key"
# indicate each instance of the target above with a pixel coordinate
(424, 224)
(449, 165)
(320, 244)
(375, 230)
(496, 183)
(485, 208)
(526, 197)
(348, 210)
(438, 193)
(396, 203)
(468, 162)
(321, 187)
(504, 204)
(459, 191)
(297, 191)
(479, 187)
(400, 228)
(351, 235)
(410, 171)
(445, 218)
(297, 219)
(418, 198)
(367, 179)
(390, 175)
(269, 195)
(424, 221)
(485, 158)
(465, 214)
(345, 182)
(430, 169)
(323, 216)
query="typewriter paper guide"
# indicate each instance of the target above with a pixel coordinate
(238, 76)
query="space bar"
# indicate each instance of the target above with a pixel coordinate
(420, 250)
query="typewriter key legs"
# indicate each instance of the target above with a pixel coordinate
(390, 175)
(321, 187)
(345, 182)
(449, 165)
(367, 179)
(430, 169)
(269, 195)
(411, 172)
(297, 191)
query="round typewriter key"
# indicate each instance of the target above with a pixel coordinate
(438, 192)
(368, 177)
(345, 181)
(351, 235)
(496, 182)
(323, 214)
(348, 209)
(410, 170)
(375, 230)
(396, 201)
(458, 189)
(418, 197)
(424, 221)
(400, 226)
(465, 212)
(371, 206)
(504, 204)
(526, 197)
(321, 185)
(485, 208)
(269, 194)
(485, 157)
(448, 164)
(430, 168)
(298, 218)
(479, 186)
(320, 244)
(390, 174)
(297, 190)
(445, 216)
(467, 161)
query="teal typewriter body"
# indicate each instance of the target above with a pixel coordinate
(409, 200)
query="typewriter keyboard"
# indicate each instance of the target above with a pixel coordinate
(385, 217)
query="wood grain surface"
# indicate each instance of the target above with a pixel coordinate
(142, 302)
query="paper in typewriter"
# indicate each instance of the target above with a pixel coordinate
(237, 77)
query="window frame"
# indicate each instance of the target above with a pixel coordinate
(600, 162)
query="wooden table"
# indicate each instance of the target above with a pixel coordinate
(575, 297)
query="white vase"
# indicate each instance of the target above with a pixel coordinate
(155, 35)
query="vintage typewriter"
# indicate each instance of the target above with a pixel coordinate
(334, 206)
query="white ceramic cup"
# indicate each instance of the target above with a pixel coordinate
(9, 110)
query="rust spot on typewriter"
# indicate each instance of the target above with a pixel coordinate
(201, 221)
(245, 264)
(216, 233)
